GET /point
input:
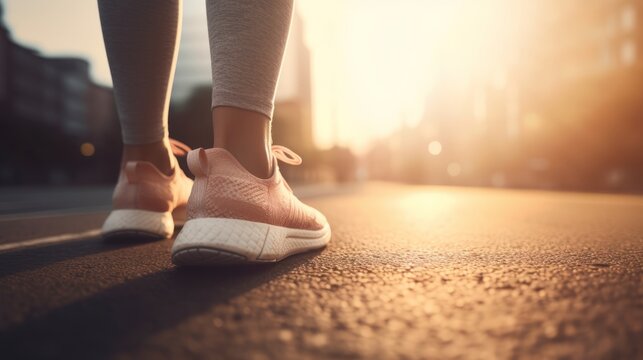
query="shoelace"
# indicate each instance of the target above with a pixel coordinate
(279, 151)
(286, 155)
(179, 148)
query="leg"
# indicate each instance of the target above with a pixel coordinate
(234, 216)
(141, 40)
(247, 41)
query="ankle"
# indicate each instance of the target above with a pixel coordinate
(258, 162)
(246, 135)
(157, 153)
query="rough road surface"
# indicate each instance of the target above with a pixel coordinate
(411, 272)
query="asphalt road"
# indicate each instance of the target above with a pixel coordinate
(411, 272)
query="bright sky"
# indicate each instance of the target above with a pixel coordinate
(374, 61)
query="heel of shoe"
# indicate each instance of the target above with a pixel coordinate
(126, 223)
(211, 241)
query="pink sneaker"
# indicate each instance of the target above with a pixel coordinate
(147, 203)
(235, 217)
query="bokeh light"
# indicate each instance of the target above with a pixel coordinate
(87, 149)
(435, 148)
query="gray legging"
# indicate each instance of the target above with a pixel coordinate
(247, 41)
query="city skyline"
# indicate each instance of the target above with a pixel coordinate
(468, 118)
(28, 27)
(368, 80)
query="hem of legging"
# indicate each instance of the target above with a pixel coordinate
(148, 138)
(228, 98)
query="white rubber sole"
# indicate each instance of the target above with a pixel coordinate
(218, 241)
(128, 223)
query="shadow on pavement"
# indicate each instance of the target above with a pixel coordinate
(17, 261)
(121, 317)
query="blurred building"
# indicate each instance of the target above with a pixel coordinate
(293, 121)
(42, 90)
(193, 65)
(566, 114)
(592, 38)
(582, 94)
(49, 106)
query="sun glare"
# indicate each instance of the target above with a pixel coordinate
(390, 55)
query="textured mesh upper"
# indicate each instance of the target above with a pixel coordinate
(142, 186)
(224, 189)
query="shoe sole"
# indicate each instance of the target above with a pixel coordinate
(218, 241)
(138, 224)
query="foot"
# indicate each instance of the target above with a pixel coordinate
(147, 203)
(236, 217)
